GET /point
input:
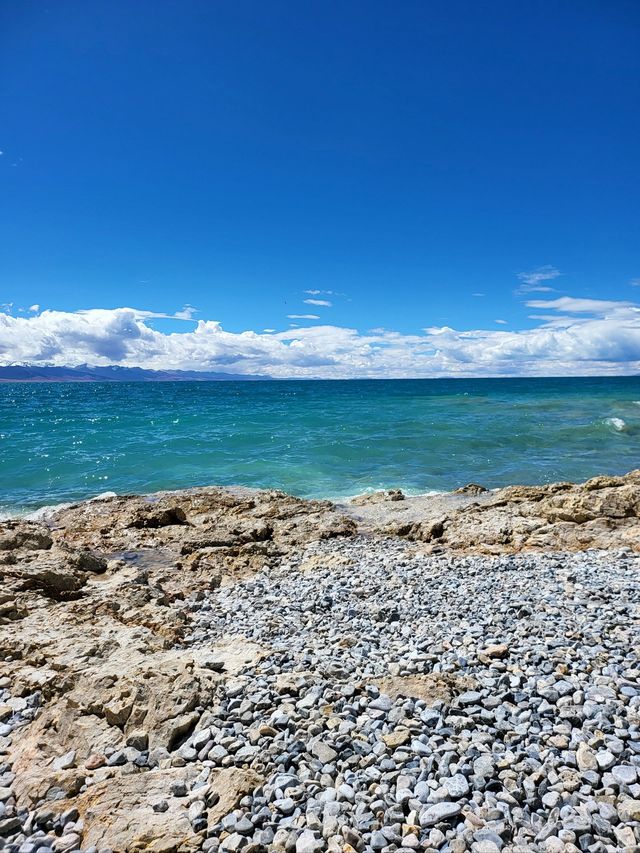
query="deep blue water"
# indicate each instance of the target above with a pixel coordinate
(62, 442)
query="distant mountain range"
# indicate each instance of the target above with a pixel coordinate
(113, 373)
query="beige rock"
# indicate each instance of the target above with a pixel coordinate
(324, 561)
(586, 758)
(626, 837)
(107, 699)
(427, 687)
(601, 513)
(629, 810)
(119, 815)
(497, 651)
(471, 489)
(397, 737)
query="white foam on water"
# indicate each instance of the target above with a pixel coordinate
(409, 493)
(102, 496)
(44, 513)
(616, 423)
(40, 514)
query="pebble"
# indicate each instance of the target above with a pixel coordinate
(438, 813)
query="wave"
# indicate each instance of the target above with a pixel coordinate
(616, 423)
(45, 512)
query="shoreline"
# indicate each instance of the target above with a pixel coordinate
(601, 512)
(241, 670)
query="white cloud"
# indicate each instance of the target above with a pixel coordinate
(532, 281)
(501, 322)
(320, 292)
(574, 337)
(303, 317)
(323, 302)
(186, 314)
(600, 307)
(544, 273)
(34, 308)
(635, 282)
(478, 294)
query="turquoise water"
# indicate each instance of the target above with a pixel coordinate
(63, 442)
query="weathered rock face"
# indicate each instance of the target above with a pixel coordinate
(121, 817)
(602, 513)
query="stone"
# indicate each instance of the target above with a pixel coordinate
(382, 703)
(378, 840)
(398, 737)
(483, 766)
(495, 651)
(629, 810)
(9, 825)
(586, 758)
(323, 752)
(307, 842)
(469, 697)
(624, 774)
(457, 786)
(179, 788)
(605, 759)
(64, 762)
(439, 813)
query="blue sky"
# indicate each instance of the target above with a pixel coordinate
(234, 156)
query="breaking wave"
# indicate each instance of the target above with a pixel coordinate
(616, 423)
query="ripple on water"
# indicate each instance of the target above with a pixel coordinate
(61, 443)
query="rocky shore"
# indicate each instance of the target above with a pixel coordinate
(231, 670)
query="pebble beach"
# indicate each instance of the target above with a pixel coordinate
(358, 692)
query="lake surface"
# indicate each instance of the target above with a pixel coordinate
(65, 441)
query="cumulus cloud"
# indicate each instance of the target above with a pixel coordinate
(573, 337)
(323, 302)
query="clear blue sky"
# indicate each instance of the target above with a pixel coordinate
(232, 155)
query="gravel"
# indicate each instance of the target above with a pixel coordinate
(409, 702)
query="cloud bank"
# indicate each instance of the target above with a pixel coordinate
(572, 337)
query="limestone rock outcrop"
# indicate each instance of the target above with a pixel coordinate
(604, 512)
